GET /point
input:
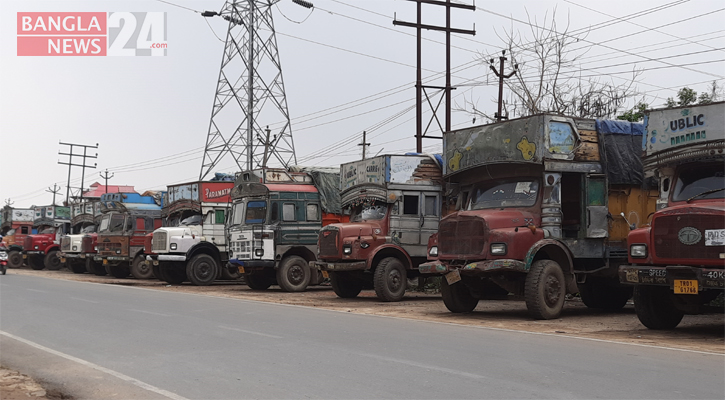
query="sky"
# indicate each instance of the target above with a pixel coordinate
(346, 69)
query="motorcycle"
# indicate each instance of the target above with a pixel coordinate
(3, 260)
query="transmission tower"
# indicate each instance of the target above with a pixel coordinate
(250, 92)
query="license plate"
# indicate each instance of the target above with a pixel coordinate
(155, 262)
(632, 275)
(683, 286)
(325, 274)
(105, 261)
(453, 277)
(241, 270)
(715, 237)
(25, 256)
(62, 260)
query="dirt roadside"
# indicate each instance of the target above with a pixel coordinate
(16, 386)
(696, 332)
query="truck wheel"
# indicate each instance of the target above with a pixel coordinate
(95, 268)
(76, 266)
(545, 290)
(202, 270)
(140, 269)
(457, 297)
(52, 262)
(599, 294)
(390, 279)
(119, 271)
(344, 286)
(173, 273)
(655, 307)
(293, 274)
(258, 280)
(36, 262)
(15, 259)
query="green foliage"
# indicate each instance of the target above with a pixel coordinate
(687, 96)
(636, 114)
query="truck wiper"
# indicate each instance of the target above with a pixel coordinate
(704, 193)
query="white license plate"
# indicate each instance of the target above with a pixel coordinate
(714, 237)
(453, 277)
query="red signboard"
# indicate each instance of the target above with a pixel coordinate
(216, 192)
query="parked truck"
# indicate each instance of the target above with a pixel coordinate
(395, 206)
(17, 223)
(41, 249)
(192, 245)
(276, 216)
(127, 219)
(84, 221)
(677, 263)
(538, 206)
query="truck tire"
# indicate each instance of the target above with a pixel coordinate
(119, 271)
(545, 290)
(345, 286)
(140, 269)
(15, 259)
(173, 273)
(202, 270)
(457, 297)
(258, 280)
(51, 261)
(77, 266)
(601, 294)
(655, 307)
(36, 262)
(95, 268)
(293, 274)
(390, 279)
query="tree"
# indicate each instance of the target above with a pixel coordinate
(688, 97)
(636, 114)
(550, 78)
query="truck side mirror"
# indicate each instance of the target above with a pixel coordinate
(631, 226)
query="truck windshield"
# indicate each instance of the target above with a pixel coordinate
(116, 223)
(103, 226)
(368, 212)
(193, 220)
(505, 193)
(237, 213)
(703, 182)
(48, 230)
(256, 212)
(10, 232)
(89, 229)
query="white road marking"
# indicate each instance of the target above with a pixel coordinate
(36, 290)
(251, 332)
(151, 312)
(423, 366)
(87, 301)
(89, 364)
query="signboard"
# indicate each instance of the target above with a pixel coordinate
(412, 169)
(214, 192)
(22, 215)
(62, 212)
(684, 126)
(371, 170)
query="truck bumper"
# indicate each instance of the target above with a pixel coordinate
(253, 263)
(33, 253)
(170, 257)
(437, 267)
(706, 278)
(339, 266)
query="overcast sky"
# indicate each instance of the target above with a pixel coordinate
(346, 69)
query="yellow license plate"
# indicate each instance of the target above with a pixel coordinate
(62, 260)
(25, 256)
(105, 261)
(685, 286)
(325, 274)
(241, 270)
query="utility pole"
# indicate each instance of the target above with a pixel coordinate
(501, 77)
(70, 164)
(364, 144)
(267, 145)
(8, 203)
(55, 190)
(106, 177)
(419, 87)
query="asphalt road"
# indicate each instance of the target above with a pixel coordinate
(198, 347)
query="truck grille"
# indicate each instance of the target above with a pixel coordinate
(668, 244)
(87, 245)
(28, 243)
(241, 250)
(158, 242)
(462, 235)
(65, 243)
(328, 243)
(109, 248)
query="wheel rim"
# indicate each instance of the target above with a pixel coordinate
(552, 291)
(395, 280)
(295, 274)
(143, 267)
(203, 271)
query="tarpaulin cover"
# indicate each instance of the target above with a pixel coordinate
(620, 147)
(438, 158)
(328, 185)
(222, 177)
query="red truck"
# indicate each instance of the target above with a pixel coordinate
(41, 249)
(677, 263)
(17, 223)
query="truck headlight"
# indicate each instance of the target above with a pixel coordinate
(638, 250)
(95, 248)
(346, 249)
(498, 249)
(118, 251)
(36, 247)
(173, 246)
(75, 248)
(433, 251)
(259, 252)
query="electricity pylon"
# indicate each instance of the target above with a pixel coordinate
(250, 92)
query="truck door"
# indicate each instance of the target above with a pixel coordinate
(416, 219)
(431, 214)
(596, 206)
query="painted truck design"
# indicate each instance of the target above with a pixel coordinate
(127, 219)
(84, 221)
(41, 249)
(276, 217)
(17, 223)
(538, 203)
(193, 244)
(395, 206)
(677, 264)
